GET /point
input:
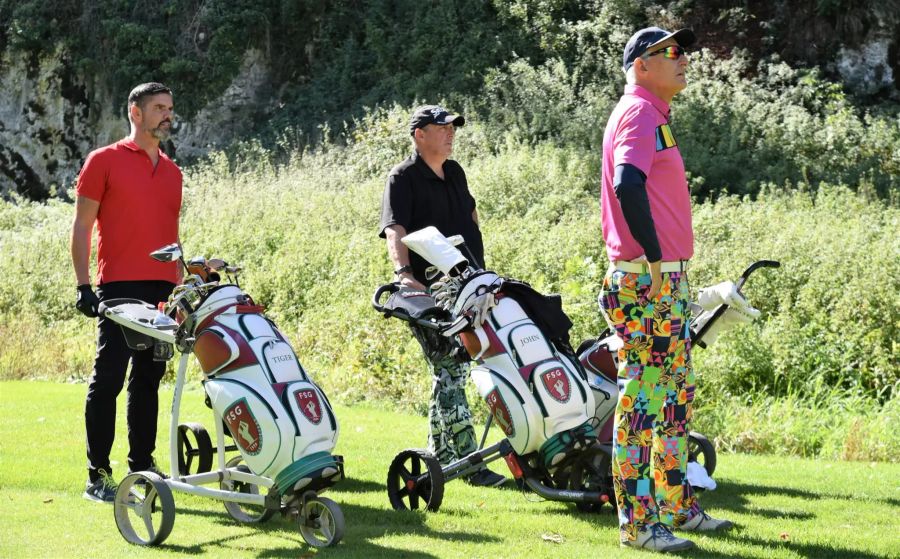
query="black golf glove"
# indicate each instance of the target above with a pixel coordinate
(87, 301)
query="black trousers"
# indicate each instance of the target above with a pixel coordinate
(110, 365)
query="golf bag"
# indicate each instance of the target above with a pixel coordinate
(526, 371)
(281, 422)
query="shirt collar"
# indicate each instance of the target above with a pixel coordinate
(130, 144)
(644, 93)
(419, 162)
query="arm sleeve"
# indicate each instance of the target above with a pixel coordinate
(465, 182)
(629, 184)
(92, 178)
(635, 140)
(396, 204)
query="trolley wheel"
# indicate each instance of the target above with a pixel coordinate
(702, 451)
(244, 512)
(321, 522)
(144, 509)
(200, 449)
(592, 471)
(415, 477)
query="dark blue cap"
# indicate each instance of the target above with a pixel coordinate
(647, 38)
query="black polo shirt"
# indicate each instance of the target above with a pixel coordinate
(415, 197)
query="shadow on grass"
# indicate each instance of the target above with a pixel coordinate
(730, 491)
(350, 485)
(363, 525)
(813, 551)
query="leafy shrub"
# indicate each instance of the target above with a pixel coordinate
(306, 233)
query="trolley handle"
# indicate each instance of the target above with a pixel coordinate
(391, 288)
(697, 338)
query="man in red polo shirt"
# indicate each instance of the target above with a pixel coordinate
(646, 216)
(132, 190)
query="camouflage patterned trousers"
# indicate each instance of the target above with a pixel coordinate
(451, 435)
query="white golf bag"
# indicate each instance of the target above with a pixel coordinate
(536, 391)
(279, 419)
(281, 422)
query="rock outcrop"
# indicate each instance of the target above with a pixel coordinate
(51, 118)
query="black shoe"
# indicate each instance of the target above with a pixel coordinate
(103, 490)
(485, 478)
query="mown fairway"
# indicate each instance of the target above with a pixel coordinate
(784, 507)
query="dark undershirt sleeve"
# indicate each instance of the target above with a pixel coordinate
(629, 184)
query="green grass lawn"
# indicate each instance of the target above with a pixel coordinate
(783, 507)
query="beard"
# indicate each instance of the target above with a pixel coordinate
(162, 133)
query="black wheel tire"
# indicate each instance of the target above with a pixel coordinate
(200, 449)
(592, 471)
(702, 451)
(415, 478)
(246, 514)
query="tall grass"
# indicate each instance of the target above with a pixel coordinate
(824, 355)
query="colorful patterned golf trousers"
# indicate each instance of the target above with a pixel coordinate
(451, 435)
(656, 388)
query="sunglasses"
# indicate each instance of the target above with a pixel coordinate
(673, 52)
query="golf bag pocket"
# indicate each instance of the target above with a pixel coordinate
(599, 361)
(260, 427)
(529, 345)
(564, 399)
(281, 361)
(513, 407)
(215, 349)
(314, 417)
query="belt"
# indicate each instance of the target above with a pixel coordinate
(643, 267)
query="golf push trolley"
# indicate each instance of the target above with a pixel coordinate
(261, 397)
(554, 405)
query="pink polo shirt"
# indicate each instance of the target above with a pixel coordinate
(638, 133)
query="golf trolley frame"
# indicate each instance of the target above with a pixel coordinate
(144, 506)
(415, 475)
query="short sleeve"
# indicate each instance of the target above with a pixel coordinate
(92, 178)
(465, 187)
(396, 204)
(635, 140)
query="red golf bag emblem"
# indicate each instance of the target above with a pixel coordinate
(500, 411)
(309, 404)
(557, 384)
(243, 426)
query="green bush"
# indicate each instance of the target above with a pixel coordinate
(778, 125)
(306, 233)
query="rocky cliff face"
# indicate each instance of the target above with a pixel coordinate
(51, 118)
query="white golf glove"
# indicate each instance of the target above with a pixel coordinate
(726, 293)
(739, 310)
(481, 306)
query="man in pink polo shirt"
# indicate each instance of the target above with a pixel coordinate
(132, 191)
(646, 217)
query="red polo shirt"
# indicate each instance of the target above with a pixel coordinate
(638, 133)
(138, 212)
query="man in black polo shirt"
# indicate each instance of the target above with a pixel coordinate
(429, 189)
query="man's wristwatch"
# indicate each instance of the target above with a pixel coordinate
(403, 270)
